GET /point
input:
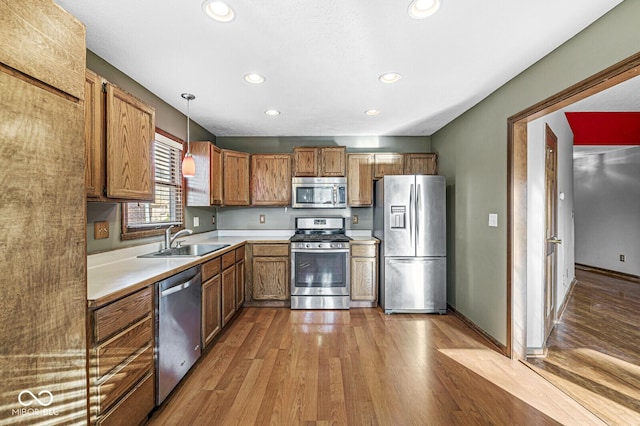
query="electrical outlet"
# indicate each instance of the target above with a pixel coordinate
(213, 220)
(623, 258)
(196, 221)
(355, 219)
(262, 218)
(493, 220)
(100, 230)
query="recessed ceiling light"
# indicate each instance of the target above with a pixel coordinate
(272, 112)
(420, 9)
(254, 78)
(372, 112)
(218, 10)
(389, 77)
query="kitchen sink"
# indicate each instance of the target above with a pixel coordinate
(189, 250)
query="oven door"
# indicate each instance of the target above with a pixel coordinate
(320, 272)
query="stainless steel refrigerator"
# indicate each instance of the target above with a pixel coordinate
(409, 218)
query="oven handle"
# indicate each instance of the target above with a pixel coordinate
(343, 250)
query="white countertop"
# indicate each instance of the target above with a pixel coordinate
(116, 273)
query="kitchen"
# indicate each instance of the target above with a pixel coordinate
(609, 58)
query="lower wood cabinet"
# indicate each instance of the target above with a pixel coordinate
(268, 274)
(364, 274)
(121, 360)
(211, 301)
(228, 289)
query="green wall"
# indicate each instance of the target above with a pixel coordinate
(473, 157)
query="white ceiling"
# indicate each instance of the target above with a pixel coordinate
(322, 59)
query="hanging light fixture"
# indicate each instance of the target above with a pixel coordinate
(188, 164)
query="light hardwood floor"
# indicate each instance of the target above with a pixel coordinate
(594, 350)
(361, 367)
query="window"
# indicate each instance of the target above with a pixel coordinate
(147, 219)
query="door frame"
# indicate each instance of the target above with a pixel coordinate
(517, 190)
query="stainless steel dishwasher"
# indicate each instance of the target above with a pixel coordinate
(178, 319)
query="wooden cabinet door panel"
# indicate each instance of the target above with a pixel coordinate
(236, 178)
(363, 278)
(215, 184)
(239, 284)
(129, 140)
(271, 179)
(93, 135)
(211, 309)
(305, 161)
(388, 164)
(228, 294)
(270, 278)
(360, 179)
(421, 164)
(333, 161)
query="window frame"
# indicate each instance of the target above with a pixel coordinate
(132, 234)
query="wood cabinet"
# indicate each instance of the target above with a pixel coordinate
(305, 161)
(205, 188)
(364, 273)
(421, 164)
(93, 135)
(232, 278)
(235, 178)
(332, 161)
(121, 366)
(360, 180)
(271, 179)
(119, 135)
(319, 161)
(211, 301)
(268, 274)
(387, 164)
(240, 275)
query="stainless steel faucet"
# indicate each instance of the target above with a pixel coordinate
(168, 239)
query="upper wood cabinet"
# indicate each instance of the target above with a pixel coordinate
(332, 161)
(235, 178)
(305, 160)
(131, 127)
(387, 164)
(319, 161)
(421, 164)
(205, 188)
(271, 179)
(119, 136)
(93, 135)
(360, 179)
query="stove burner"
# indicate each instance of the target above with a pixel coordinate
(313, 237)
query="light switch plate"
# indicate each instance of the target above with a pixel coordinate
(100, 230)
(262, 218)
(196, 221)
(355, 219)
(493, 220)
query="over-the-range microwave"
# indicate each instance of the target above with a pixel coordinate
(319, 192)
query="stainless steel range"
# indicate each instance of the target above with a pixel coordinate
(320, 264)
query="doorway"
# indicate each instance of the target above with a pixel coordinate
(517, 191)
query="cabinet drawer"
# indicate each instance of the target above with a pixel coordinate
(228, 259)
(239, 254)
(261, 250)
(116, 350)
(123, 379)
(121, 313)
(210, 269)
(363, 250)
(134, 407)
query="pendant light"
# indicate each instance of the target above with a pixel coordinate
(188, 164)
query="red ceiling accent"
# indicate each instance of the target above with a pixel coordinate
(605, 128)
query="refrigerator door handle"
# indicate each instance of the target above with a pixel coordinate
(411, 213)
(418, 213)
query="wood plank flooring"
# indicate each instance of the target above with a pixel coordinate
(275, 366)
(594, 350)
